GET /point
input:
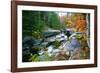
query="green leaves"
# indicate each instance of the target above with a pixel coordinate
(44, 57)
(56, 44)
(34, 58)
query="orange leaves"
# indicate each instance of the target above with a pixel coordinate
(80, 23)
(76, 21)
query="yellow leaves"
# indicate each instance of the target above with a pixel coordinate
(68, 22)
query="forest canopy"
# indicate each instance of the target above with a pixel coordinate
(35, 22)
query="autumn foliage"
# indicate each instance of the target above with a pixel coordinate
(76, 21)
(80, 23)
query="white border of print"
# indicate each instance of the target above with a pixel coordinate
(52, 63)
